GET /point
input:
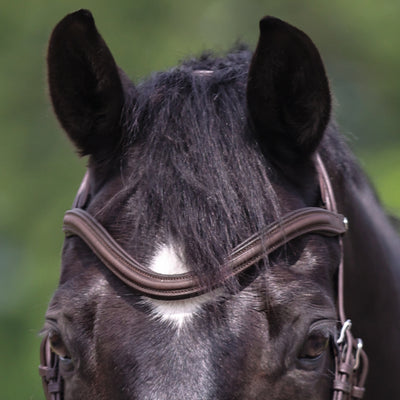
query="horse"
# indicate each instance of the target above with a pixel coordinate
(206, 255)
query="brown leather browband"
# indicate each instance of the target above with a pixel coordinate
(351, 360)
(297, 223)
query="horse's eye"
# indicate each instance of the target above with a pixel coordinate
(314, 347)
(57, 345)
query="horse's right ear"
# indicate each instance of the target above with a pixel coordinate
(85, 85)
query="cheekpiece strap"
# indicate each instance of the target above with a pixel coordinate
(350, 358)
(49, 372)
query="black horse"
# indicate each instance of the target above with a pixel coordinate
(182, 169)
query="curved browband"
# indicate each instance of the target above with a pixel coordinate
(292, 225)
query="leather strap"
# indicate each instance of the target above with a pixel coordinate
(49, 372)
(292, 225)
(350, 358)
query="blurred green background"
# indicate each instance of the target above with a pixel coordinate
(359, 41)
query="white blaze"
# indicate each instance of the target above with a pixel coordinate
(169, 261)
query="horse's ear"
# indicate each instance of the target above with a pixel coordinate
(288, 93)
(85, 85)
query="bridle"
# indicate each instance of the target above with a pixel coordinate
(351, 362)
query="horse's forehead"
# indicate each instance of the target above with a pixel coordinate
(168, 259)
(284, 285)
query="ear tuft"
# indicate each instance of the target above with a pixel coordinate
(288, 93)
(85, 85)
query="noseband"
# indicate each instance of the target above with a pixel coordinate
(351, 361)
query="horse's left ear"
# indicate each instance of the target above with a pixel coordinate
(85, 85)
(288, 93)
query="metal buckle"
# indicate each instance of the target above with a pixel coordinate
(342, 340)
(342, 337)
(360, 345)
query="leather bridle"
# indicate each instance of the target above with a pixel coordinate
(351, 362)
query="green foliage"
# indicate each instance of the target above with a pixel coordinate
(383, 167)
(359, 41)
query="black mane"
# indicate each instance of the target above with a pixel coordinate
(196, 174)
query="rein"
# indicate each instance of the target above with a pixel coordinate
(351, 361)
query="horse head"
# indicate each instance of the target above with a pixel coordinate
(182, 169)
